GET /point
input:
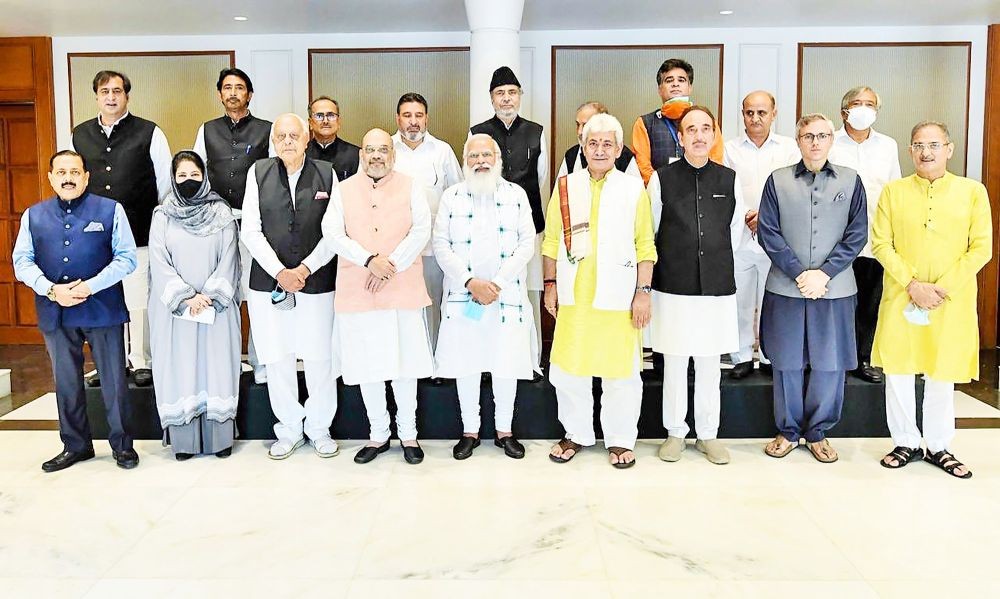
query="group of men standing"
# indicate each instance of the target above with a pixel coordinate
(390, 262)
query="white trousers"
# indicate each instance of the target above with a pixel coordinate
(434, 280)
(750, 270)
(707, 396)
(405, 393)
(621, 403)
(504, 391)
(901, 412)
(136, 288)
(320, 407)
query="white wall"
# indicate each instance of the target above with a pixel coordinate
(753, 58)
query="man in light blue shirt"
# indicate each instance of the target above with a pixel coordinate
(73, 251)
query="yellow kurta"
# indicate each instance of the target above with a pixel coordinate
(941, 233)
(587, 341)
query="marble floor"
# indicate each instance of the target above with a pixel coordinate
(495, 527)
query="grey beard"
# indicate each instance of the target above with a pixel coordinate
(482, 183)
(413, 137)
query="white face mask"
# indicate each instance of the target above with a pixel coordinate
(861, 117)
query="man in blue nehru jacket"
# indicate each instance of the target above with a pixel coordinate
(74, 250)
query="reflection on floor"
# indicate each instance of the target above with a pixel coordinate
(495, 527)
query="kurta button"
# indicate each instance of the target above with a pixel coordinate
(376, 229)
(107, 187)
(108, 149)
(67, 226)
(700, 253)
(702, 233)
(65, 277)
(66, 242)
(69, 211)
(701, 216)
(232, 174)
(65, 259)
(107, 168)
(234, 143)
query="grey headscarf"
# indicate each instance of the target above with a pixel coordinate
(204, 214)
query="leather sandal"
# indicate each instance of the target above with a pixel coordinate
(566, 445)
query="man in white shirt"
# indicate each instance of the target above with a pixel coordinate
(875, 157)
(428, 160)
(754, 155)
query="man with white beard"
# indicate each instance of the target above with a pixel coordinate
(378, 223)
(483, 240)
(432, 162)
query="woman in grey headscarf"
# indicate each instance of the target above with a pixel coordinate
(194, 313)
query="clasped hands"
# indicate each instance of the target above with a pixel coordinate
(926, 296)
(293, 280)
(483, 292)
(199, 303)
(380, 271)
(812, 283)
(72, 293)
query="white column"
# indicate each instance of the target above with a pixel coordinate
(495, 42)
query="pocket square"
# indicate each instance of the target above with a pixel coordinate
(321, 195)
(718, 195)
(840, 197)
(94, 226)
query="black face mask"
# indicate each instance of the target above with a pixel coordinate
(189, 188)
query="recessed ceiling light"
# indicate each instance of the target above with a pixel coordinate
(240, 18)
(725, 12)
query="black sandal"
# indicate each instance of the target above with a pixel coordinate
(565, 444)
(947, 462)
(617, 452)
(903, 456)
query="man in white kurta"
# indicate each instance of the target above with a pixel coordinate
(483, 240)
(378, 223)
(291, 286)
(432, 162)
(754, 155)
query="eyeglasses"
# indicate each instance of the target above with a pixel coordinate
(383, 150)
(474, 156)
(280, 137)
(933, 146)
(810, 137)
(325, 116)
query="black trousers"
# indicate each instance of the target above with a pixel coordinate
(65, 347)
(868, 274)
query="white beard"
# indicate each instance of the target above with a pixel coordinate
(482, 183)
(413, 137)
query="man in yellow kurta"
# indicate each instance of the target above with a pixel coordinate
(932, 233)
(598, 257)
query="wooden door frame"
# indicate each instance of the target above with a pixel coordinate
(989, 277)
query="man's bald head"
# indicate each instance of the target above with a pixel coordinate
(759, 112)
(290, 135)
(377, 154)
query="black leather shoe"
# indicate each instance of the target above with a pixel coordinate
(511, 446)
(368, 454)
(66, 459)
(435, 381)
(126, 459)
(766, 368)
(867, 372)
(224, 453)
(741, 370)
(413, 455)
(537, 377)
(94, 381)
(143, 377)
(183, 457)
(464, 447)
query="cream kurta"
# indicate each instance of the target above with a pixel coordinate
(938, 232)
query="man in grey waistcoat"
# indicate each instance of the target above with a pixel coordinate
(813, 223)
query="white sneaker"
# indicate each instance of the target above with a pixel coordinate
(282, 448)
(325, 447)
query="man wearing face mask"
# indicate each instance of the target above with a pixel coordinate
(73, 251)
(432, 162)
(291, 286)
(379, 224)
(575, 159)
(229, 146)
(326, 145)
(655, 139)
(875, 157)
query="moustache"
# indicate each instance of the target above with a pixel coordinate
(68, 185)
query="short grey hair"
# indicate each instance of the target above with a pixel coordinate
(854, 92)
(807, 119)
(603, 123)
(598, 106)
(465, 148)
(302, 121)
(938, 124)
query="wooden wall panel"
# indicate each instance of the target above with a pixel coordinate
(989, 322)
(16, 72)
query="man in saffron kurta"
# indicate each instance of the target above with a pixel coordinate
(378, 223)
(597, 287)
(932, 234)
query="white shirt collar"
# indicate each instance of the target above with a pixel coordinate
(426, 145)
(108, 128)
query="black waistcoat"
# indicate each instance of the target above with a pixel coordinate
(621, 163)
(293, 233)
(341, 154)
(520, 147)
(121, 169)
(232, 148)
(694, 243)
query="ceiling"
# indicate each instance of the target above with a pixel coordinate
(200, 17)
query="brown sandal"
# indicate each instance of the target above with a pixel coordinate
(780, 454)
(617, 452)
(814, 450)
(565, 445)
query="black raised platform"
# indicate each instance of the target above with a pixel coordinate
(747, 410)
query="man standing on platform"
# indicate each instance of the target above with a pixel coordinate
(379, 224)
(754, 156)
(324, 122)
(813, 223)
(230, 145)
(130, 162)
(698, 217)
(875, 157)
(598, 259)
(655, 140)
(574, 158)
(426, 159)
(525, 163)
(73, 251)
(484, 238)
(932, 233)
(291, 286)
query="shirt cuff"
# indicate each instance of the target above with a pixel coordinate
(41, 286)
(828, 269)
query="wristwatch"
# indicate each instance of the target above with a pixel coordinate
(645, 289)
(51, 293)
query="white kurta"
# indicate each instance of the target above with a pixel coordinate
(502, 342)
(432, 163)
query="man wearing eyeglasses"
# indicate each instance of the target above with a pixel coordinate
(812, 223)
(932, 233)
(875, 157)
(325, 145)
(379, 224)
(291, 286)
